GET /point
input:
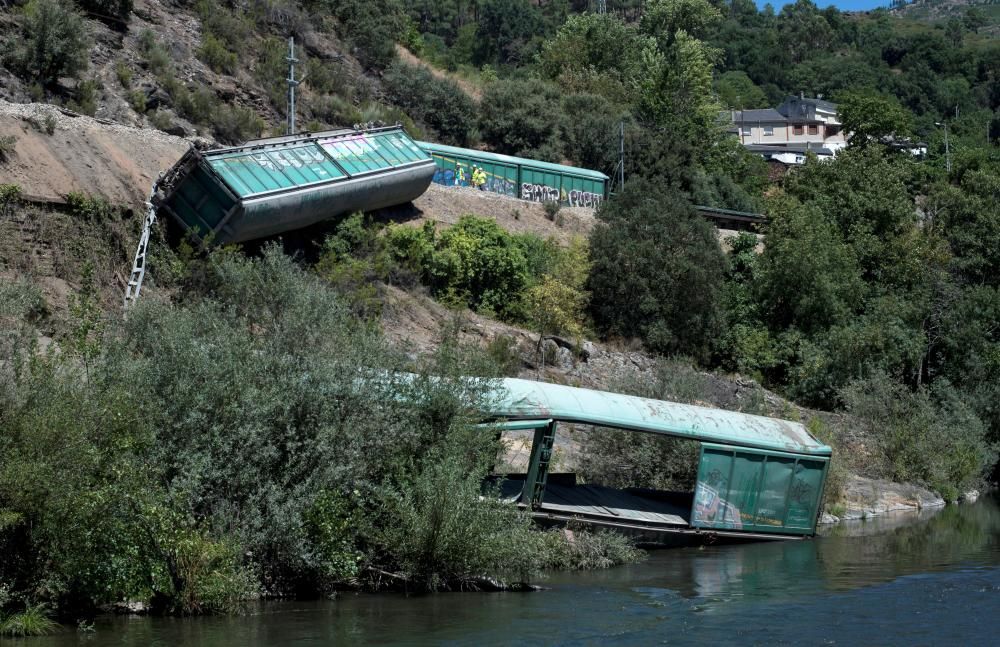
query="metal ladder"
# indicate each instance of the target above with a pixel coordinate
(139, 264)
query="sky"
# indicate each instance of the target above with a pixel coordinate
(843, 5)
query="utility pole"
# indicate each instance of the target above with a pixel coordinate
(602, 6)
(290, 128)
(621, 156)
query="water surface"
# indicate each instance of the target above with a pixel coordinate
(932, 579)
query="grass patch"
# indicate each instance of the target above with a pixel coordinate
(30, 622)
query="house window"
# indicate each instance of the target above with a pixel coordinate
(797, 130)
(768, 131)
(832, 131)
(746, 130)
(813, 130)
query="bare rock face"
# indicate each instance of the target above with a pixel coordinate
(864, 497)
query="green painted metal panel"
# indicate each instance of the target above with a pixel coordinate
(711, 495)
(273, 185)
(523, 399)
(805, 495)
(251, 173)
(509, 160)
(759, 491)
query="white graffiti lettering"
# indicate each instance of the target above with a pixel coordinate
(585, 199)
(539, 193)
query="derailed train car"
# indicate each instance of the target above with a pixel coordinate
(757, 477)
(269, 186)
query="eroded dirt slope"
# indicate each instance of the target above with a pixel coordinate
(82, 154)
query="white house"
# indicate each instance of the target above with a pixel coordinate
(790, 131)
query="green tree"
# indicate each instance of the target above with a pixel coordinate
(677, 93)
(507, 31)
(557, 304)
(657, 271)
(55, 41)
(373, 27)
(737, 92)
(871, 118)
(662, 19)
(523, 118)
(598, 53)
(809, 277)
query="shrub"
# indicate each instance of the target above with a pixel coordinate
(925, 436)
(475, 262)
(230, 30)
(235, 124)
(8, 143)
(440, 529)
(124, 74)
(579, 549)
(88, 207)
(55, 41)
(137, 99)
(85, 97)
(215, 54)
(551, 208)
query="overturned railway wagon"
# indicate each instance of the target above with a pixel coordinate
(517, 177)
(757, 477)
(269, 186)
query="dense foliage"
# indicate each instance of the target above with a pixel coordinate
(253, 438)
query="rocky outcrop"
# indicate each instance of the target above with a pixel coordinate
(865, 497)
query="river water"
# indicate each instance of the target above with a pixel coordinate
(928, 579)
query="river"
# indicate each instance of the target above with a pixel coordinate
(929, 579)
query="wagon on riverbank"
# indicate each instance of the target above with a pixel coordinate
(757, 477)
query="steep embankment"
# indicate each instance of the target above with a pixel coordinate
(120, 163)
(58, 152)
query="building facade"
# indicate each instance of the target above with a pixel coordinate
(789, 132)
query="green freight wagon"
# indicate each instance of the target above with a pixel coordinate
(517, 177)
(757, 477)
(269, 186)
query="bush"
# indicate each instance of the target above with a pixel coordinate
(925, 436)
(88, 207)
(137, 99)
(669, 258)
(440, 529)
(577, 549)
(235, 124)
(215, 54)
(437, 102)
(475, 263)
(55, 41)
(7, 145)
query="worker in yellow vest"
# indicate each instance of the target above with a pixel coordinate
(479, 178)
(460, 176)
